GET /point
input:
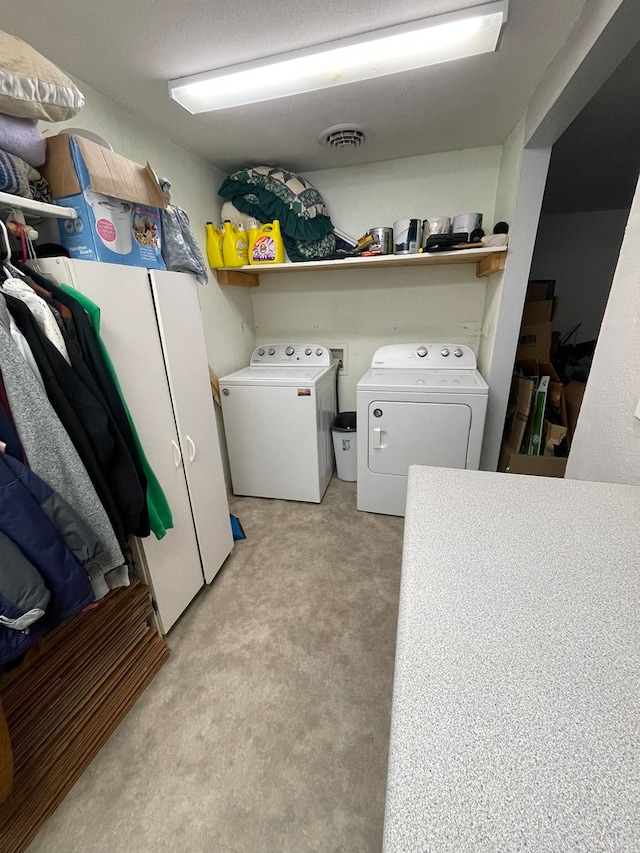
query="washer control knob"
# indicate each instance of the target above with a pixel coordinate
(272, 351)
(260, 351)
(422, 351)
(308, 351)
(444, 352)
(289, 350)
(458, 353)
(319, 351)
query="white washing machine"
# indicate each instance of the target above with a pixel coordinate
(418, 404)
(277, 417)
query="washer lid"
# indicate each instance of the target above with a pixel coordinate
(416, 381)
(283, 375)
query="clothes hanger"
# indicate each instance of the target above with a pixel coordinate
(6, 246)
(6, 250)
(8, 268)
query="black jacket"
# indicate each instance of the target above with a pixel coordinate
(88, 422)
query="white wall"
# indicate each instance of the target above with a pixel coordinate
(504, 309)
(579, 251)
(606, 444)
(227, 312)
(366, 309)
(508, 179)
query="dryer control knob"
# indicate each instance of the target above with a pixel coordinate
(458, 353)
(260, 351)
(308, 351)
(422, 351)
(289, 351)
(444, 352)
(272, 351)
(319, 351)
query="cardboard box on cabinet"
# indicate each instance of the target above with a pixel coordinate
(118, 203)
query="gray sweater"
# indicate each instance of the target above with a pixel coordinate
(50, 451)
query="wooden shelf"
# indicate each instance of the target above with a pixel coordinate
(487, 262)
(36, 208)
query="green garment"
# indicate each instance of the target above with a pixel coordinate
(160, 519)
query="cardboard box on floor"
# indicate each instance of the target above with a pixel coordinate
(535, 332)
(535, 329)
(537, 313)
(573, 394)
(519, 423)
(556, 397)
(521, 398)
(534, 342)
(118, 203)
(539, 289)
(522, 463)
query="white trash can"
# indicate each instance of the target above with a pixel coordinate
(343, 430)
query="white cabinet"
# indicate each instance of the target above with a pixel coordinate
(152, 327)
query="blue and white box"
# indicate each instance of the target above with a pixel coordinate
(118, 203)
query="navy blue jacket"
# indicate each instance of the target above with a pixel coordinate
(39, 528)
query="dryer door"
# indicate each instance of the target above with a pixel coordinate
(403, 434)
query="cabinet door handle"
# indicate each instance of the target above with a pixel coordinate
(177, 455)
(191, 448)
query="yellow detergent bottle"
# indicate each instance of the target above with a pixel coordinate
(266, 245)
(214, 246)
(234, 245)
(252, 231)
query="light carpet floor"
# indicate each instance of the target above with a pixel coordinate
(267, 730)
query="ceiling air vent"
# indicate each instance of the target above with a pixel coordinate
(342, 136)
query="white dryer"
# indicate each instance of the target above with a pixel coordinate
(418, 404)
(277, 416)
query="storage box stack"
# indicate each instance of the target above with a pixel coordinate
(536, 438)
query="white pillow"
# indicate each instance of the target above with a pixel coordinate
(33, 87)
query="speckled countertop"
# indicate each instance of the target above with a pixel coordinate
(516, 703)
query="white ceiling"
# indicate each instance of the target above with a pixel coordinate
(129, 50)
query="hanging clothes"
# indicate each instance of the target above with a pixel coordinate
(24, 349)
(41, 312)
(86, 417)
(8, 434)
(89, 349)
(159, 511)
(72, 409)
(52, 455)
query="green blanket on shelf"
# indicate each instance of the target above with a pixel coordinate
(267, 193)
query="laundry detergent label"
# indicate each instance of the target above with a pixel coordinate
(264, 249)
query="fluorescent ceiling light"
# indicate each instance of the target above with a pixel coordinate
(404, 47)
